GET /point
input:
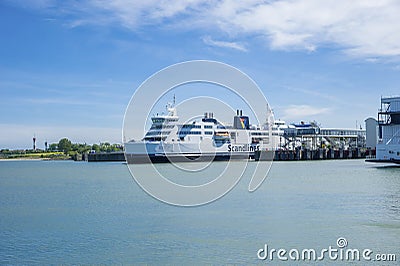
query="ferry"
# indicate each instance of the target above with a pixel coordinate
(204, 139)
(388, 144)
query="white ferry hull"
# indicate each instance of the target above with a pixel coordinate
(386, 154)
(159, 152)
(203, 139)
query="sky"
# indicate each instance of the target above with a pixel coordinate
(69, 68)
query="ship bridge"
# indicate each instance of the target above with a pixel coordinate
(389, 120)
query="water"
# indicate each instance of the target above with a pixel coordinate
(62, 212)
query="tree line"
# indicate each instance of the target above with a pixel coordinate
(66, 146)
(62, 150)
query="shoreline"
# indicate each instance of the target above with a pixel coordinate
(22, 159)
(32, 159)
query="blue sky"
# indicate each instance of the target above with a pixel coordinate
(69, 68)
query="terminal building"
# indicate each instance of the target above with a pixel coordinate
(311, 136)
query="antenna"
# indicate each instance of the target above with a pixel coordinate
(174, 100)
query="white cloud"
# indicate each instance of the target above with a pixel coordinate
(397, 68)
(295, 112)
(317, 94)
(361, 28)
(233, 45)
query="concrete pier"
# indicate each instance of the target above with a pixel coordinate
(106, 157)
(279, 155)
(318, 154)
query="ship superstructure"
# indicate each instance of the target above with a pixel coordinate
(388, 146)
(169, 140)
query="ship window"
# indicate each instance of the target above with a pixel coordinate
(189, 132)
(161, 126)
(158, 120)
(259, 133)
(191, 126)
(395, 119)
(208, 126)
(154, 139)
(208, 132)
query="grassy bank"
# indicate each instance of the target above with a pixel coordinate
(36, 155)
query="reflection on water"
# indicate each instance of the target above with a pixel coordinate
(87, 213)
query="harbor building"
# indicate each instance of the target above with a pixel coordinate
(371, 126)
(311, 136)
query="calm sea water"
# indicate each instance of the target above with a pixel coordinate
(62, 212)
